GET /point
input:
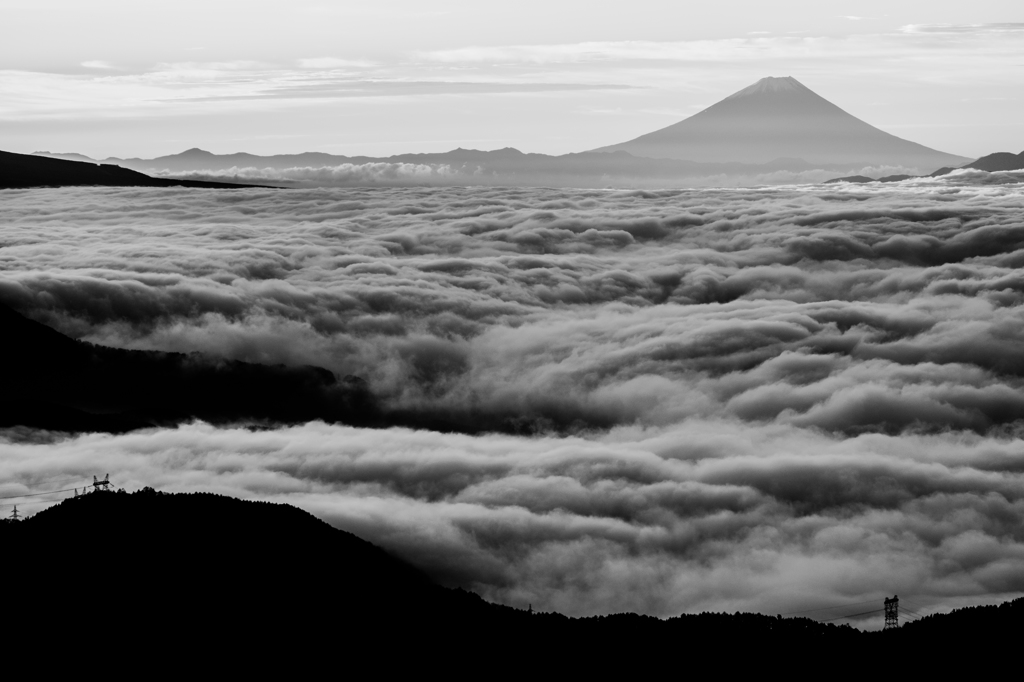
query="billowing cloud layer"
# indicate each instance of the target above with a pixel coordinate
(704, 515)
(342, 175)
(759, 398)
(843, 308)
(395, 174)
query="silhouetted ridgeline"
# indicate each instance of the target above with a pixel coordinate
(27, 170)
(199, 579)
(1000, 161)
(54, 382)
(58, 383)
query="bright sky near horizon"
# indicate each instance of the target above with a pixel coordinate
(127, 78)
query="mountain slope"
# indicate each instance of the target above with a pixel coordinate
(999, 161)
(209, 582)
(55, 382)
(30, 170)
(781, 118)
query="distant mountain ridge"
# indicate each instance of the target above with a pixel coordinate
(999, 161)
(506, 166)
(776, 130)
(781, 117)
(506, 159)
(991, 163)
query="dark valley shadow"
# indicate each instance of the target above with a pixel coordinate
(54, 382)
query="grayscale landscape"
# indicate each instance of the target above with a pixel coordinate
(765, 358)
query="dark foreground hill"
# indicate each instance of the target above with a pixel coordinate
(27, 170)
(51, 381)
(215, 584)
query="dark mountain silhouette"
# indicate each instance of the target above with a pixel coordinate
(864, 178)
(780, 117)
(857, 179)
(55, 382)
(29, 170)
(207, 582)
(1000, 161)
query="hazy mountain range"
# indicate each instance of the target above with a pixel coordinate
(459, 166)
(775, 131)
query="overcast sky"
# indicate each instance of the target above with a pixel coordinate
(115, 77)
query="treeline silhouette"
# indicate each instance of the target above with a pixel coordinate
(219, 584)
(54, 382)
(58, 383)
(19, 171)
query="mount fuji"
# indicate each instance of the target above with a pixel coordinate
(781, 118)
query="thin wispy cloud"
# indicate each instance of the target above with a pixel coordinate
(335, 63)
(867, 46)
(502, 69)
(184, 83)
(965, 29)
(342, 89)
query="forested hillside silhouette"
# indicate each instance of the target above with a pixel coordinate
(183, 579)
(54, 382)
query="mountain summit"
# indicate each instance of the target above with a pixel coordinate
(782, 118)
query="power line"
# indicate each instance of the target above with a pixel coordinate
(826, 608)
(840, 617)
(911, 607)
(50, 492)
(96, 484)
(63, 496)
(29, 504)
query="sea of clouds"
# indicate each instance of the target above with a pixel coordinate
(342, 175)
(767, 399)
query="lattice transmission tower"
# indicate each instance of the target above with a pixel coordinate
(892, 613)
